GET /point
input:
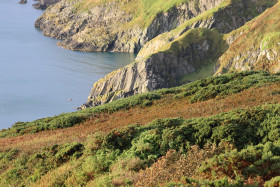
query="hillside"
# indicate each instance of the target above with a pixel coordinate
(215, 131)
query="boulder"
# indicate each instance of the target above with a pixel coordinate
(23, 2)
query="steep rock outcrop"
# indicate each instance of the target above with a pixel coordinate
(162, 69)
(43, 4)
(109, 27)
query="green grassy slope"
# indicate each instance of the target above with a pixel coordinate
(248, 140)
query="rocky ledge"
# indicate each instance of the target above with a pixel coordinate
(43, 4)
(161, 70)
(22, 2)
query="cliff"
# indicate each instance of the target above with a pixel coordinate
(180, 55)
(161, 33)
(163, 69)
(123, 26)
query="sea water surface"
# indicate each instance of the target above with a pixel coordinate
(38, 78)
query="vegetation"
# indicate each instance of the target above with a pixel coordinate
(237, 147)
(201, 90)
(130, 155)
(217, 131)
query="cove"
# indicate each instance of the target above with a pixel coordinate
(37, 78)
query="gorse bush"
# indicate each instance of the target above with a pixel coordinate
(261, 160)
(132, 154)
(28, 169)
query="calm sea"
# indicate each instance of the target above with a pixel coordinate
(37, 78)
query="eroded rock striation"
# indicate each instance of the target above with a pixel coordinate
(255, 47)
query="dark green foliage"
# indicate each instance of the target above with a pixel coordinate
(226, 85)
(240, 128)
(31, 168)
(6, 157)
(213, 183)
(275, 92)
(260, 160)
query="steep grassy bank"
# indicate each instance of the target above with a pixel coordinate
(256, 46)
(237, 147)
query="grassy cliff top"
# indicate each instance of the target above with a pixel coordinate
(143, 11)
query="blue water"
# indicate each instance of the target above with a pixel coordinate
(37, 78)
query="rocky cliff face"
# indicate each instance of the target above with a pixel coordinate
(108, 27)
(43, 4)
(158, 66)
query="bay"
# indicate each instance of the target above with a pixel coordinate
(37, 78)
